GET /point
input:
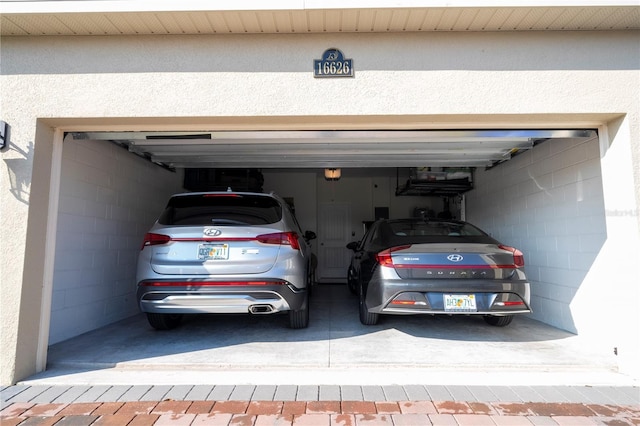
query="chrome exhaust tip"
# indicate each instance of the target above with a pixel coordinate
(261, 309)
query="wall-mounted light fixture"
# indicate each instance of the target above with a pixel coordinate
(332, 174)
(4, 134)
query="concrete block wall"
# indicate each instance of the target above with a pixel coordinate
(108, 200)
(548, 202)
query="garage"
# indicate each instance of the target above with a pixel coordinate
(469, 110)
(492, 177)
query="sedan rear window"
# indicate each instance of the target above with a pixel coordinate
(450, 229)
(391, 233)
(221, 209)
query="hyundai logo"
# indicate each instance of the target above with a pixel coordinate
(211, 232)
(455, 257)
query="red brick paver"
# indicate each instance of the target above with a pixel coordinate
(312, 420)
(211, 419)
(317, 413)
(264, 407)
(410, 419)
(559, 409)
(79, 409)
(171, 407)
(452, 407)
(62, 421)
(323, 407)
(144, 420)
(113, 420)
(294, 407)
(359, 407)
(417, 407)
(110, 408)
(230, 407)
(374, 420)
(386, 407)
(343, 420)
(135, 407)
(44, 410)
(15, 409)
(175, 420)
(242, 420)
(199, 407)
(274, 420)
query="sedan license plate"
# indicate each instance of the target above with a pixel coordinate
(213, 252)
(460, 303)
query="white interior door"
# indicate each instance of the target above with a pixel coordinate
(333, 236)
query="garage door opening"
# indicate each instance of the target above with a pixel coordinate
(523, 186)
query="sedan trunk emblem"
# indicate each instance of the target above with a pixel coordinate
(211, 232)
(455, 257)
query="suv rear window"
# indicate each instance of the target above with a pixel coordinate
(221, 209)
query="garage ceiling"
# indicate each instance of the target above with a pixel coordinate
(320, 149)
(308, 16)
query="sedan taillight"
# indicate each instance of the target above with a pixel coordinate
(281, 238)
(518, 257)
(151, 239)
(384, 257)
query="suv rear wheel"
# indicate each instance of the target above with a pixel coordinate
(164, 321)
(300, 318)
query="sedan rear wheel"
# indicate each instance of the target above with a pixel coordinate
(164, 321)
(498, 321)
(351, 282)
(366, 317)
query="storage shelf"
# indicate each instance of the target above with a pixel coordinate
(449, 187)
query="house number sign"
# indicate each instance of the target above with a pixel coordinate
(333, 64)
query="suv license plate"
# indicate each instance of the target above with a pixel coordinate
(460, 303)
(213, 252)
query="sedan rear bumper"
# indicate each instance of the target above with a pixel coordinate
(489, 297)
(207, 297)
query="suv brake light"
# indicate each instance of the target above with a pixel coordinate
(151, 239)
(281, 238)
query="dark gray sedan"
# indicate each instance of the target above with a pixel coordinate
(428, 266)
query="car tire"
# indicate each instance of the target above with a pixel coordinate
(164, 321)
(299, 318)
(366, 317)
(311, 281)
(498, 321)
(351, 283)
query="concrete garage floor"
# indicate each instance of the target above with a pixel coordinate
(334, 349)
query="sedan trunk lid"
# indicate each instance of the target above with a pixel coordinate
(486, 261)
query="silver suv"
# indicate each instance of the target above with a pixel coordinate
(224, 252)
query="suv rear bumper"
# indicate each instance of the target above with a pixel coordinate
(210, 297)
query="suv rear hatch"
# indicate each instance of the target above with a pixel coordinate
(218, 234)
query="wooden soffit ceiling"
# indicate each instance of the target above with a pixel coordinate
(145, 17)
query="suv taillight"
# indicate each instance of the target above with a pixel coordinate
(151, 239)
(518, 257)
(281, 238)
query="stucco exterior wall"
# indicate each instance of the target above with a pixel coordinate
(414, 80)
